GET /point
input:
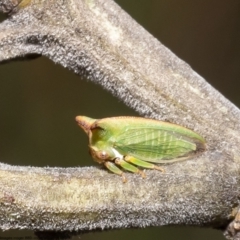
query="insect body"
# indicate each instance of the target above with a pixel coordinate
(129, 142)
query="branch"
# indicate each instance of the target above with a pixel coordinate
(99, 40)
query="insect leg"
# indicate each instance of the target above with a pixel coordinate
(141, 163)
(129, 167)
(113, 168)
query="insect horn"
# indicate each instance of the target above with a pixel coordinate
(85, 123)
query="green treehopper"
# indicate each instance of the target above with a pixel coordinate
(132, 142)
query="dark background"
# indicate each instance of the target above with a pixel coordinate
(39, 99)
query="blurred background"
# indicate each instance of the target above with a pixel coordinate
(39, 99)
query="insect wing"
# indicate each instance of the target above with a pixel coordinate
(154, 145)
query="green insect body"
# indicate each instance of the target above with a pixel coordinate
(129, 142)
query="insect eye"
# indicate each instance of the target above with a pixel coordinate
(102, 155)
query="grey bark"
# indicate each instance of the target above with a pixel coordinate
(97, 39)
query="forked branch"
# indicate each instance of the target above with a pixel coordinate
(97, 39)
